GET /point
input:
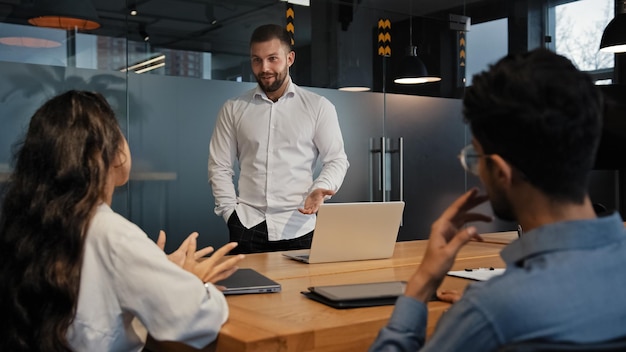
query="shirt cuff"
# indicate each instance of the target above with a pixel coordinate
(409, 315)
(320, 184)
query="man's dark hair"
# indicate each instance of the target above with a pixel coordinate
(543, 116)
(268, 32)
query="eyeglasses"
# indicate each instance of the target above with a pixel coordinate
(469, 159)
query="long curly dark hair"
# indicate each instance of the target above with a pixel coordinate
(58, 180)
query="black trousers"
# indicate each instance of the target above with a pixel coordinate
(255, 240)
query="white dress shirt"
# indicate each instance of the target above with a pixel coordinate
(276, 145)
(128, 288)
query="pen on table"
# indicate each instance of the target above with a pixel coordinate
(476, 269)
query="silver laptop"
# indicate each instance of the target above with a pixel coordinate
(248, 280)
(353, 231)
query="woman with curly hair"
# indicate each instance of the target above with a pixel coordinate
(74, 274)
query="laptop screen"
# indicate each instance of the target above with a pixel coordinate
(354, 231)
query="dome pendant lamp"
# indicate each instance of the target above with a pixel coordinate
(411, 69)
(614, 36)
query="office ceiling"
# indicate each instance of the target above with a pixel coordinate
(219, 26)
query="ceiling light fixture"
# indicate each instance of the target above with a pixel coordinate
(30, 37)
(298, 2)
(353, 80)
(133, 10)
(29, 42)
(65, 14)
(411, 69)
(614, 36)
(209, 12)
(150, 68)
(147, 65)
(144, 35)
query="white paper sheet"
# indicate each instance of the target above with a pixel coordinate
(478, 274)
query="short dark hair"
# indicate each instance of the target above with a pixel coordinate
(268, 32)
(542, 115)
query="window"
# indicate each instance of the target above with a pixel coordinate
(579, 27)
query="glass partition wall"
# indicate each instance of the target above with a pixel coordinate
(168, 69)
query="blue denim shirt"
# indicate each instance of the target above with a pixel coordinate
(564, 282)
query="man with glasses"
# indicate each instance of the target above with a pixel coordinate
(536, 123)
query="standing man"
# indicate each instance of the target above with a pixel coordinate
(276, 133)
(536, 123)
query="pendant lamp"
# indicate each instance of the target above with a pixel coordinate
(614, 36)
(353, 80)
(411, 69)
(65, 14)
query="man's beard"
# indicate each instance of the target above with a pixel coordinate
(500, 205)
(272, 87)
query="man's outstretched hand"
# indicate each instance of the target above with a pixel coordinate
(314, 200)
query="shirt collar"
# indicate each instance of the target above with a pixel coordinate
(566, 235)
(290, 91)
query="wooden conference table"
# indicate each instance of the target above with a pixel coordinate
(288, 321)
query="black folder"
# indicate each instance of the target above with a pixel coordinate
(357, 295)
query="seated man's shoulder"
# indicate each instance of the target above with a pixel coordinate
(508, 295)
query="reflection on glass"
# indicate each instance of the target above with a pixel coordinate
(53, 47)
(486, 43)
(33, 45)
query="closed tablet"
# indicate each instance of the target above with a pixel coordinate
(349, 292)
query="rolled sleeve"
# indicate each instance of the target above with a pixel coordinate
(406, 329)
